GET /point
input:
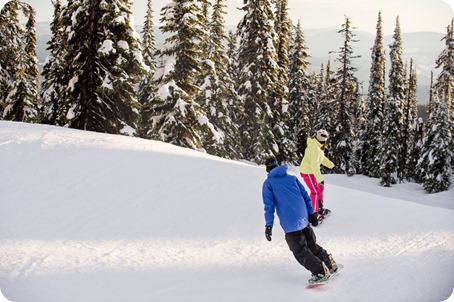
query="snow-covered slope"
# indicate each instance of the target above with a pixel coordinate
(93, 217)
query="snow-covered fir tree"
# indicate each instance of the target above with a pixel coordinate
(31, 57)
(416, 147)
(217, 94)
(10, 45)
(391, 155)
(325, 117)
(177, 118)
(319, 95)
(359, 126)
(232, 54)
(445, 61)
(147, 84)
(232, 71)
(104, 62)
(374, 107)
(279, 95)
(437, 152)
(390, 146)
(445, 80)
(343, 137)
(436, 163)
(422, 161)
(18, 63)
(410, 117)
(299, 122)
(257, 63)
(53, 107)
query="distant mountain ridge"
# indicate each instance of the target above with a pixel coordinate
(423, 47)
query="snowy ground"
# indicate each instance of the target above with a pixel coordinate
(93, 217)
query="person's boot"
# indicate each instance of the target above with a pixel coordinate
(321, 277)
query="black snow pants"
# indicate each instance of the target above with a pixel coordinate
(306, 251)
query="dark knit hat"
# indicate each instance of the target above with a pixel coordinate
(271, 163)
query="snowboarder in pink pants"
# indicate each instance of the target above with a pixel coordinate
(314, 156)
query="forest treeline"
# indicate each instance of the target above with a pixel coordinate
(244, 94)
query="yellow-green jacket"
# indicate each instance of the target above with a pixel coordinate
(313, 158)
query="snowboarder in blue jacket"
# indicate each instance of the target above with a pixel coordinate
(284, 194)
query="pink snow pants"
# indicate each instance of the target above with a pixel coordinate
(316, 190)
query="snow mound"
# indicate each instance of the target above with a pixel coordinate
(94, 217)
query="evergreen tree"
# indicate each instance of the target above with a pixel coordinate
(390, 135)
(422, 162)
(445, 61)
(417, 149)
(147, 84)
(326, 115)
(9, 45)
(410, 117)
(18, 63)
(343, 137)
(319, 95)
(205, 81)
(437, 152)
(299, 122)
(104, 62)
(177, 118)
(371, 136)
(31, 57)
(359, 126)
(217, 92)
(52, 105)
(314, 92)
(391, 157)
(237, 113)
(279, 95)
(225, 90)
(258, 69)
(445, 80)
(232, 54)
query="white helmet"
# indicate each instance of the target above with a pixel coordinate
(322, 135)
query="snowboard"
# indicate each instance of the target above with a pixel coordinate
(322, 218)
(322, 284)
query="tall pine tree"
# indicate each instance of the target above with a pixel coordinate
(410, 116)
(326, 116)
(445, 80)
(371, 136)
(391, 155)
(177, 118)
(258, 68)
(53, 106)
(147, 84)
(436, 162)
(279, 95)
(343, 137)
(104, 62)
(18, 63)
(232, 70)
(437, 152)
(217, 93)
(319, 96)
(299, 122)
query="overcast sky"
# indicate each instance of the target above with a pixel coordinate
(415, 15)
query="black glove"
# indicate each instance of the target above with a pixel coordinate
(322, 183)
(313, 219)
(268, 232)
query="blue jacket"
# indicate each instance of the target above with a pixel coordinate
(286, 195)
